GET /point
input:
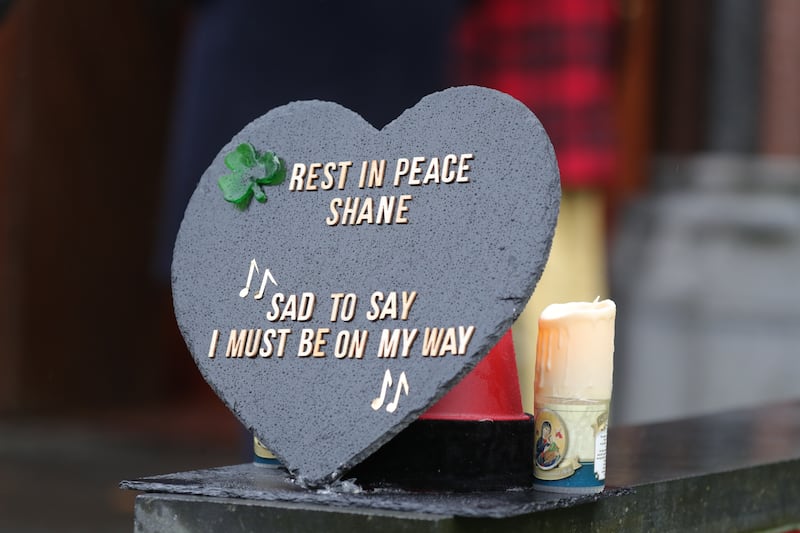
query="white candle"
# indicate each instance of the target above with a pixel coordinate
(575, 351)
(572, 393)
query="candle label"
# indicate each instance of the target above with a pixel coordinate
(570, 451)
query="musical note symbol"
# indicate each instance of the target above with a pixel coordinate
(246, 290)
(387, 382)
(267, 276)
(402, 386)
(402, 383)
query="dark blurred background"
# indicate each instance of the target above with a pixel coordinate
(680, 121)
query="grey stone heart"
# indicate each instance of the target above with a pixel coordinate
(462, 251)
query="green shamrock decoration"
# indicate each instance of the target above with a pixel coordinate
(249, 172)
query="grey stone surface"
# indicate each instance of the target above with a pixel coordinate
(185, 514)
(473, 253)
(755, 499)
(735, 471)
(271, 484)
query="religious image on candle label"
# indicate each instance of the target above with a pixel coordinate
(570, 443)
(551, 439)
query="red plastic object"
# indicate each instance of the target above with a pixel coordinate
(489, 392)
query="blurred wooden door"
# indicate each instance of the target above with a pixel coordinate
(85, 89)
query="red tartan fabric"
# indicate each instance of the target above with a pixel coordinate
(557, 57)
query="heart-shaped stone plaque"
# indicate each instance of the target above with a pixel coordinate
(333, 312)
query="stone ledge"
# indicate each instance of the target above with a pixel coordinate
(703, 474)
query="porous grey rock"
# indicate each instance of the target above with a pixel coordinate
(473, 253)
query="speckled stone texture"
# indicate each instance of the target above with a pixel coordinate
(473, 253)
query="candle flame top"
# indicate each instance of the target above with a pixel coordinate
(597, 310)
